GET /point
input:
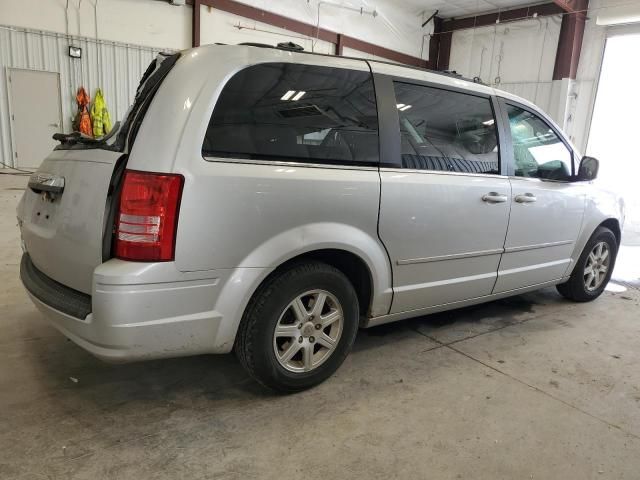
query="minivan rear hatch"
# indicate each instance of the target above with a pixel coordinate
(66, 213)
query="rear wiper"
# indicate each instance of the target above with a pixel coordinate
(77, 137)
(74, 137)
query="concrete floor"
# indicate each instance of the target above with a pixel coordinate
(532, 387)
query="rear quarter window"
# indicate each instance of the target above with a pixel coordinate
(292, 112)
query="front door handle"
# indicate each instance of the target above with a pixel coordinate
(494, 197)
(526, 198)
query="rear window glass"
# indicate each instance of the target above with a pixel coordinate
(291, 112)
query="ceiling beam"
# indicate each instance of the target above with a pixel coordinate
(270, 18)
(504, 16)
(309, 30)
(568, 5)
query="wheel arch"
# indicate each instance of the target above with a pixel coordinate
(350, 264)
(358, 255)
(613, 225)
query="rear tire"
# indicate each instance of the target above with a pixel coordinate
(593, 269)
(298, 327)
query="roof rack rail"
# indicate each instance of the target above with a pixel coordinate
(281, 46)
(254, 44)
(294, 47)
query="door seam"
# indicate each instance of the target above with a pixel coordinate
(506, 234)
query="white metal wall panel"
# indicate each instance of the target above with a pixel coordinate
(518, 57)
(114, 67)
(536, 92)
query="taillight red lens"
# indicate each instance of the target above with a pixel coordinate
(147, 221)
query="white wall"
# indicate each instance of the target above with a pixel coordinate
(221, 27)
(394, 27)
(35, 34)
(603, 15)
(158, 24)
(517, 57)
(527, 62)
(142, 22)
(114, 67)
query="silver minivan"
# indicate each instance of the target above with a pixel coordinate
(272, 202)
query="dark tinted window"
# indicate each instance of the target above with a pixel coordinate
(537, 150)
(284, 111)
(443, 130)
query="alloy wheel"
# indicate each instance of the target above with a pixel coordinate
(308, 331)
(597, 266)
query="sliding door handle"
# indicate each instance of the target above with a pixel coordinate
(526, 198)
(494, 197)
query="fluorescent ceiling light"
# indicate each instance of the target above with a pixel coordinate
(288, 95)
(400, 105)
(298, 95)
(406, 107)
(489, 122)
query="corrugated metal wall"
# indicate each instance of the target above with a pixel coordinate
(114, 67)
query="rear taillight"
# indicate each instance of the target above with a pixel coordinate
(147, 220)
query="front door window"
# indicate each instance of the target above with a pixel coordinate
(537, 151)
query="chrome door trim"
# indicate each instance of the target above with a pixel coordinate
(448, 281)
(537, 245)
(455, 256)
(537, 266)
(283, 163)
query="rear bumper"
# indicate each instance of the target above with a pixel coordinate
(64, 299)
(146, 311)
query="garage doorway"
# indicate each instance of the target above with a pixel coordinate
(613, 139)
(36, 114)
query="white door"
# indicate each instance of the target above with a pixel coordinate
(36, 114)
(547, 208)
(444, 211)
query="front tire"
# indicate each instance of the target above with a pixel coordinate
(593, 269)
(298, 327)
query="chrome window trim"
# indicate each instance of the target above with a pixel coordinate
(441, 172)
(283, 163)
(536, 179)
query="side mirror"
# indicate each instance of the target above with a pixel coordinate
(588, 169)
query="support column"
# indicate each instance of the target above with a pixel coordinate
(570, 41)
(195, 24)
(444, 51)
(339, 44)
(434, 44)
